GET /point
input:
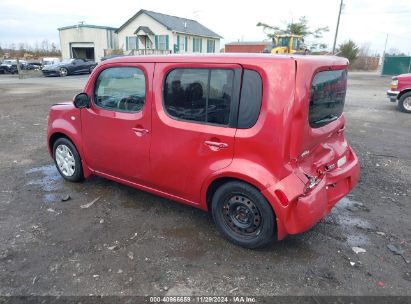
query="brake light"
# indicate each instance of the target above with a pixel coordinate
(282, 197)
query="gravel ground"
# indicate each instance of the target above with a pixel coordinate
(133, 243)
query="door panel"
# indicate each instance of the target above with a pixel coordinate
(184, 153)
(117, 142)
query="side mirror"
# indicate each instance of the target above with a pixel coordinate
(82, 101)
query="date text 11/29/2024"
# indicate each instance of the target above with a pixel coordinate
(202, 299)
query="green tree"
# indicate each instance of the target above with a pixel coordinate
(297, 28)
(350, 50)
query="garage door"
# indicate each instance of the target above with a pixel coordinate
(82, 50)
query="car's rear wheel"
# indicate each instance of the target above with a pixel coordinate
(243, 215)
(90, 69)
(67, 160)
(63, 72)
(404, 103)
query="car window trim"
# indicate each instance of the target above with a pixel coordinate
(232, 121)
(240, 94)
(93, 99)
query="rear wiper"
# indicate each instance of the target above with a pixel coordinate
(326, 119)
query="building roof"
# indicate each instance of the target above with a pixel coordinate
(177, 24)
(87, 26)
(249, 43)
(145, 29)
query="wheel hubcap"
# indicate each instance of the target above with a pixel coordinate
(242, 216)
(65, 160)
(63, 72)
(407, 103)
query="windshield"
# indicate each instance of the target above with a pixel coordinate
(10, 61)
(327, 97)
(283, 41)
(67, 60)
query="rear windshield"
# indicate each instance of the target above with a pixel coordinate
(327, 97)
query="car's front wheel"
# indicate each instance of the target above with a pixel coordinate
(63, 72)
(404, 103)
(67, 160)
(243, 215)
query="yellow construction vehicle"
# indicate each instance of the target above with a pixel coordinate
(288, 44)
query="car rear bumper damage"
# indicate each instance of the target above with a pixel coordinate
(299, 207)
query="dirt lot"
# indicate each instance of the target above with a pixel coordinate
(133, 243)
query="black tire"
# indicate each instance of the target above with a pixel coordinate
(231, 208)
(63, 72)
(77, 175)
(90, 69)
(404, 103)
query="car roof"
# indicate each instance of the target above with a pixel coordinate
(230, 58)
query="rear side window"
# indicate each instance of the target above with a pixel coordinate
(250, 101)
(121, 89)
(199, 95)
(327, 97)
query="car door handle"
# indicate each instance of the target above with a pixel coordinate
(140, 131)
(216, 144)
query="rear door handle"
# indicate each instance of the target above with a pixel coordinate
(216, 144)
(140, 131)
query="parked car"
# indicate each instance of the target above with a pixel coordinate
(256, 140)
(33, 66)
(9, 66)
(401, 90)
(69, 67)
(50, 61)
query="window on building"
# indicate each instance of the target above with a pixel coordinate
(121, 89)
(182, 43)
(162, 43)
(200, 95)
(132, 43)
(210, 46)
(196, 45)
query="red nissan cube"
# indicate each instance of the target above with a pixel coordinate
(256, 140)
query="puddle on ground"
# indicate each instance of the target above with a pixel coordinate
(352, 226)
(49, 180)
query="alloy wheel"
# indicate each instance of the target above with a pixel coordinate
(65, 160)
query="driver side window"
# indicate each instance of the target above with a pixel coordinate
(121, 89)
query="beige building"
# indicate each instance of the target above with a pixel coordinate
(87, 41)
(146, 32)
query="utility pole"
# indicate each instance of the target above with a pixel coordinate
(338, 24)
(383, 54)
(385, 47)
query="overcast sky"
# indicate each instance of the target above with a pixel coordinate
(364, 21)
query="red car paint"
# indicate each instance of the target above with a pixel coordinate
(400, 84)
(169, 157)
